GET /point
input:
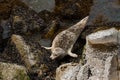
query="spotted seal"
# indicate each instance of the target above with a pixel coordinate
(64, 41)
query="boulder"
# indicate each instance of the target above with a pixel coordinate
(5, 8)
(13, 72)
(73, 9)
(40, 5)
(35, 58)
(104, 37)
(67, 71)
(25, 20)
(101, 59)
(101, 55)
(104, 14)
(83, 73)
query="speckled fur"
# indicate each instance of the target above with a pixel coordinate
(64, 41)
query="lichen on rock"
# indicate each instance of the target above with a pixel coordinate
(13, 72)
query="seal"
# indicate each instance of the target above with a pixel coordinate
(64, 41)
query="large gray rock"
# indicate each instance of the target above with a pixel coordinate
(13, 72)
(111, 71)
(104, 37)
(67, 71)
(104, 11)
(102, 58)
(39, 5)
(83, 73)
(104, 14)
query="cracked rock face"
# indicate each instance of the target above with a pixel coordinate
(101, 55)
(101, 59)
(67, 71)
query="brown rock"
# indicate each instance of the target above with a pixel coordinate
(35, 58)
(76, 9)
(25, 20)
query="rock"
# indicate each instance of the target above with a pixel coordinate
(25, 20)
(83, 73)
(5, 8)
(24, 51)
(35, 58)
(102, 58)
(67, 71)
(104, 37)
(99, 14)
(103, 18)
(13, 72)
(111, 71)
(76, 9)
(39, 5)
(53, 27)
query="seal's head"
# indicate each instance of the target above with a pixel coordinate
(57, 52)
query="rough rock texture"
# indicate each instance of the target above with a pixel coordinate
(83, 73)
(39, 5)
(104, 36)
(67, 71)
(104, 14)
(76, 9)
(13, 72)
(110, 12)
(5, 8)
(35, 58)
(25, 20)
(24, 51)
(101, 60)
